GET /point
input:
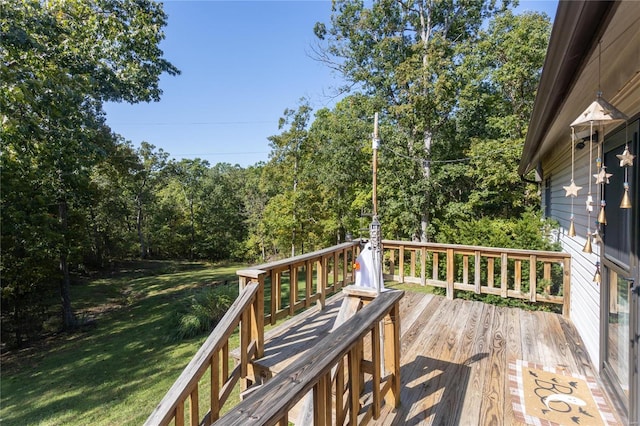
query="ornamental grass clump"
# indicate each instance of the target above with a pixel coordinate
(201, 313)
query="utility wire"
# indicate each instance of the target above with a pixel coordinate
(423, 160)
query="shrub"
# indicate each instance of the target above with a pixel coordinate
(201, 313)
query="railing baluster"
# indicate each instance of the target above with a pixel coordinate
(401, 264)
(547, 276)
(477, 272)
(465, 269)
(533, 282)
(215, 386)
(340, 393)
(392, 262)
(335, 271)
(293, 288)
(179, 416)
(413, 263)
(375, 358)
(354, 385)
(308, 285)
(194, 407)
(244, 346)
(225, 361)
(490, 272)
(504, 269)
(423, 266)
(435, 266)
(275, 296)
(518, 276)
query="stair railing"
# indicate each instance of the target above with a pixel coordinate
(349, 352)
(213, 356)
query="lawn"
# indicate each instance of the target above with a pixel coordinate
(117, 368)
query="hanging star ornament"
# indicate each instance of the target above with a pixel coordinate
(589, 203)
(602, 176)
(626, 158)
(572, 190)
(596, 237)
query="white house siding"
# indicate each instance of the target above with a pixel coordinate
(585, 294)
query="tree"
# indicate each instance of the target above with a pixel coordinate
(221, 219)
(288, 150)
(340, 164)
(146, 181)
(507, 66)
(190, 174)
(500, 75)
(404, 52)
(60, 61)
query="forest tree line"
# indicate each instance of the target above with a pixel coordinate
(453, 82)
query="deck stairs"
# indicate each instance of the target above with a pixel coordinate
(301, 334)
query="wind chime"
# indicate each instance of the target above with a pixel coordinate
(599, 114)
(626, 161)
(572, 189)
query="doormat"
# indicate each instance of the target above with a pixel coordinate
(545, 396)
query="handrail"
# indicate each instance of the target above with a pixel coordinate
(271, 403)
(533, 275)
(319, 273)
(241, 313)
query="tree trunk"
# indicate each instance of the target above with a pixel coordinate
(425, 36)
(143, 249)
(68, 319)
(426, 170)
(193, 232)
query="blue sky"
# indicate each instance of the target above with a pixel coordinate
(243, 63)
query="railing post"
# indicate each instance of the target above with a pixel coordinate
(392, 354)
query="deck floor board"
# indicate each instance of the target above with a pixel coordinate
(454, 357)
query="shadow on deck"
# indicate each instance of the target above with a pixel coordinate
(455, 356)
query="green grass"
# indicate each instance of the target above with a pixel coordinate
(118, 368)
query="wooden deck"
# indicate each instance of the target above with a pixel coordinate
(454, 356)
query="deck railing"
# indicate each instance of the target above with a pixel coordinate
(536, 276)
(336, 388)
(213, 356)
(276, 290)
(298, 282)
(268, 292)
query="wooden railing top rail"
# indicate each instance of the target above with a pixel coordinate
(458, 247)
(268, 404)
(189, 377)
(301, 258)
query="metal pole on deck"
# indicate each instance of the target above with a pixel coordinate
(374, 230)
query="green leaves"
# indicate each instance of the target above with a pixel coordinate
(60, 61)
